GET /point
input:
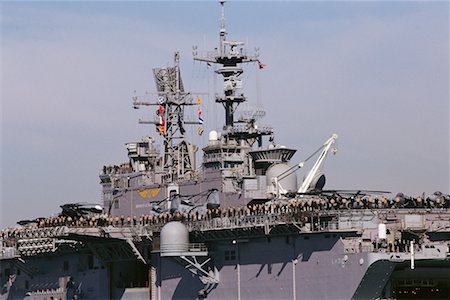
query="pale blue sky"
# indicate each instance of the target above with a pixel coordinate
(377, 73)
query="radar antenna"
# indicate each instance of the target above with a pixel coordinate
(230, 55)
(223, 32)
(179, 155)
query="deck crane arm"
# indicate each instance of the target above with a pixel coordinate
(317, 166)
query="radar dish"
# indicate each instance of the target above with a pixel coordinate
(166, 80)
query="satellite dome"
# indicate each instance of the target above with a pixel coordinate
(213, 136)
(289, 183)
(174, 238)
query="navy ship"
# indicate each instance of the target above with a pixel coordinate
(239, 225)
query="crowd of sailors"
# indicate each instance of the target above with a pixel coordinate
(117, 169)
(297, 208)
(370, 202)
(279, 207)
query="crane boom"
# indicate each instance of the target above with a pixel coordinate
(317, 166)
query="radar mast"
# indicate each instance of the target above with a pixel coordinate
(229, 57)
(178, 162)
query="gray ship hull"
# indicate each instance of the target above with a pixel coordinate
(280, 255)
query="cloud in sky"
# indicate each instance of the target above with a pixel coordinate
(375, 73)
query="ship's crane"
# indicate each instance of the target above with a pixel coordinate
(313, 175)
(306, 185)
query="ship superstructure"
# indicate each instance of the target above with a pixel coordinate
(238, 165)
(238, 226)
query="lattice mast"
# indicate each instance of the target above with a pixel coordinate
(178, 160)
